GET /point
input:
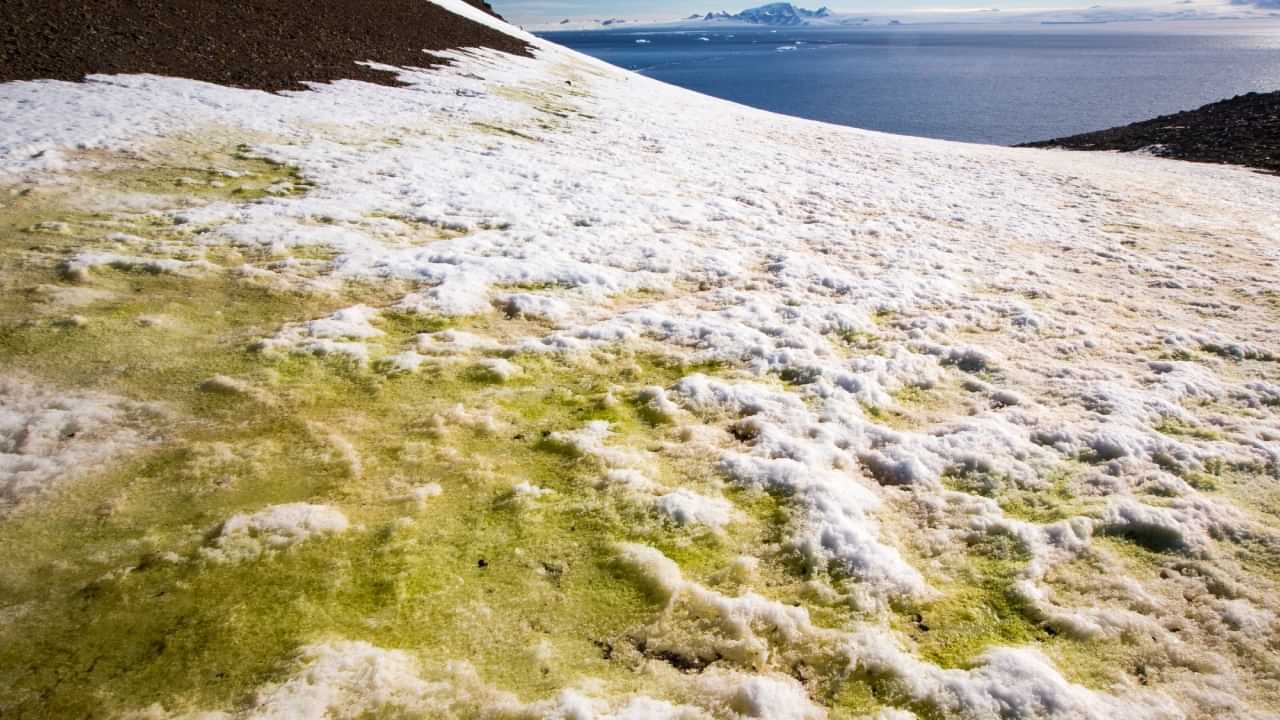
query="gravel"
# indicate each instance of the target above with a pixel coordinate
(261, 44)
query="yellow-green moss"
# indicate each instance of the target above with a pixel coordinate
(1177, 428)
(232, 174)
(860, 341)
(1049, 502)
(111, 610)
(971, 480)
(883, 316)
(159, 336)
(1179, 354)
(978, 610)
(201, 636)
(914, 407)
(854, 699)
(1108, 661)
(499, 130)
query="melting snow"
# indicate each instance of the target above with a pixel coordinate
(1028, 299)
(246, 536)
(48, 436)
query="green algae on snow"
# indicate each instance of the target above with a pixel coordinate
(119, 611)
(113, 606)
(979, 608)
(1049, 501)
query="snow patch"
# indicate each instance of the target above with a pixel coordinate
(48, 437)
(247, 536)
(334, 335)
(685, 507)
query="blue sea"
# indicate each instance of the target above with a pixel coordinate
(988, 84)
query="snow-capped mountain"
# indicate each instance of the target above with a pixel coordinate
(780, 14)
(784, 14)
(774, 14)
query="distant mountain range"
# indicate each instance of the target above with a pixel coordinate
(779, 14)
(774, 14)
(787, 15)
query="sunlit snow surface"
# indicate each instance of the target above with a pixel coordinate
(1067, 308)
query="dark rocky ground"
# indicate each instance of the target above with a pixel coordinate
(485, 7)
(1244, 130)
(263, 44)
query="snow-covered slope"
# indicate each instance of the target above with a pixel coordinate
(540, 389)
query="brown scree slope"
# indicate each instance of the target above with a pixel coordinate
(262, 44)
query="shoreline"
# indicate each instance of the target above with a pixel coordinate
(1242, 130)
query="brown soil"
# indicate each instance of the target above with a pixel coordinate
(262, 44)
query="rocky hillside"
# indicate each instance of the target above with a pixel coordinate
(1243, 130)
(262, 44)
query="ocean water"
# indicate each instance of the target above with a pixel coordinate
(989, 84)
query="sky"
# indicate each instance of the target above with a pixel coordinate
(532, 11)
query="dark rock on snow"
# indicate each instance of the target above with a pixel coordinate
(1244, 130)
(262, 44)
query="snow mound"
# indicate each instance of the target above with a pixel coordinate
(686, 507)
(247, 536)
(47, 437)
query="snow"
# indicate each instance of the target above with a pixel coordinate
(777, 697)
(652, 569)
(477, 15)
(1006, 682)
(685, 507)
(338, 334)
(533, 306)
(628, 478)
(476, 420)
(405, 362)
(349, 678)
(527, 490)
(82, 263)
(453, 342)
(48, 437)
(1189, 524)
(499, 369)
(889, 311)
(247, 536)
(656, 400)
(349, 323)
(422, 493)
